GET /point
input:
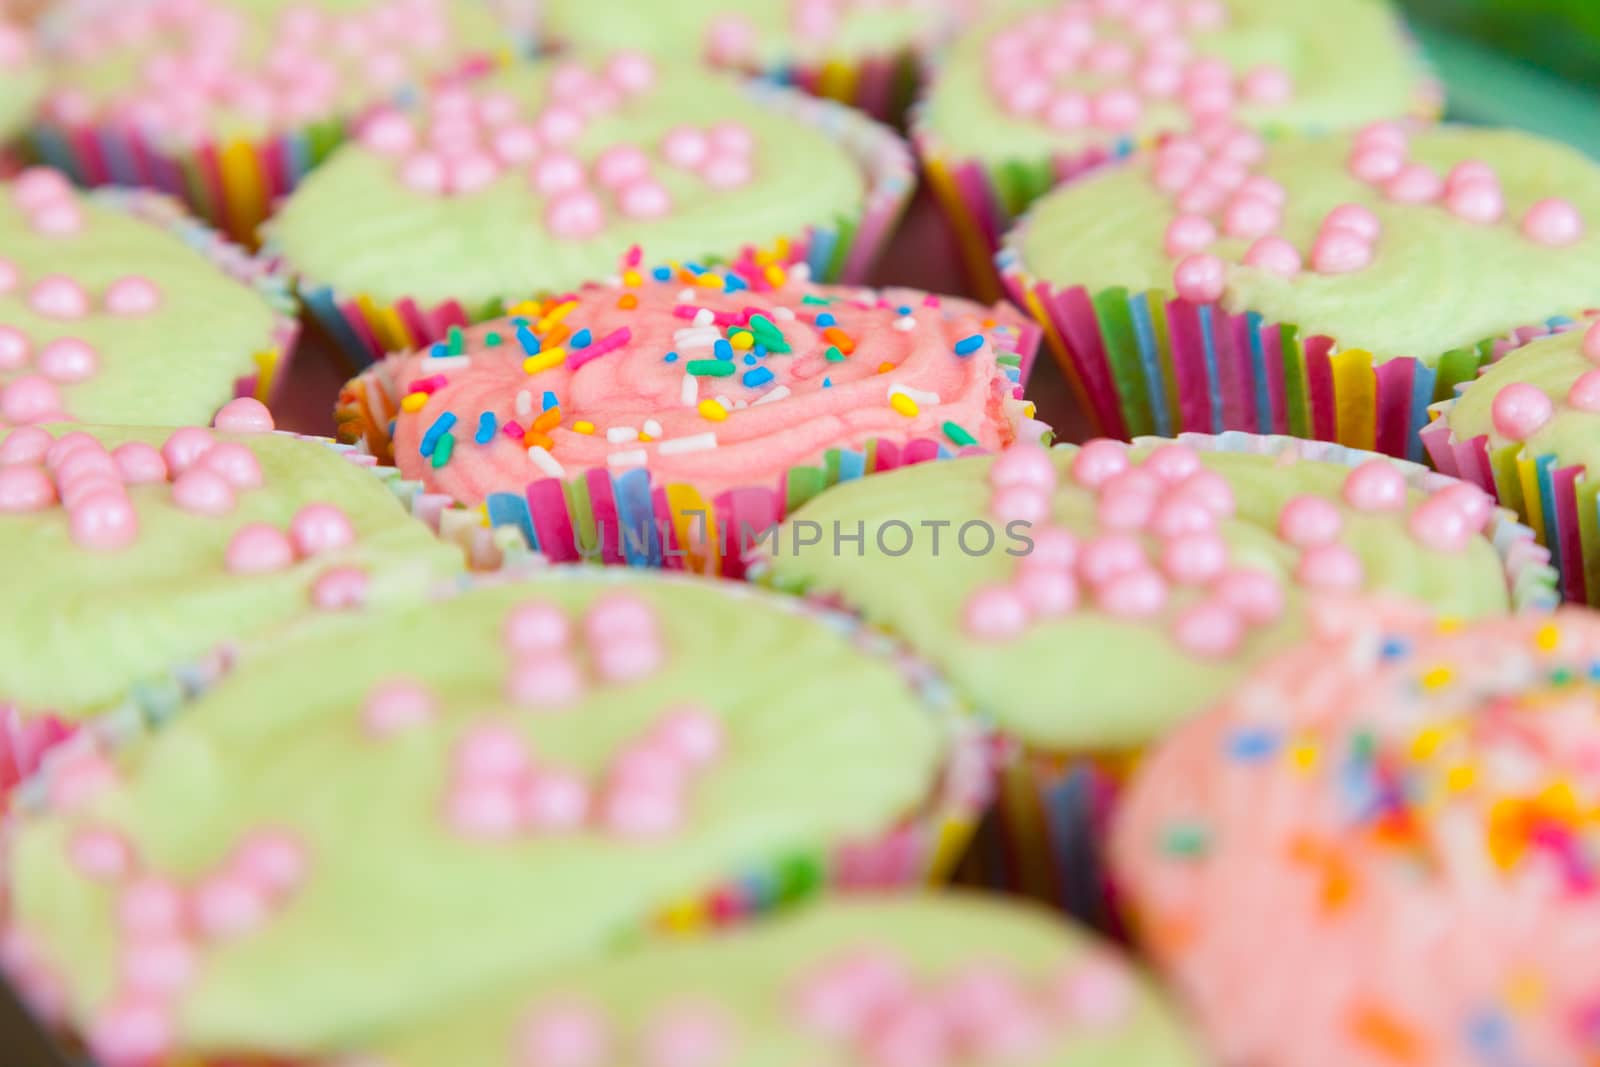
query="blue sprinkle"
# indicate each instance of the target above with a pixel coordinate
(827, 383)
(486, 427)
(519, 320)
(1251, 745)
(1488, 1032)
(525, 338)
(662, 274)
(904, 310)
(391, 428)
(722, 349)
(750, 359)
(440, 427)
(968, 345)
(733, 284)
(549, 401)
(759, 376)
(439, 351)
(826, 319)
(1394, 648)
(695, 268)
(581, 339)
(760, 352)
(671, 357)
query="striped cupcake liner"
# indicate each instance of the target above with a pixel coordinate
(1142, 363)
(924, 848)
(882, 86)
(269, 367)
(232, 183)
(367, 327)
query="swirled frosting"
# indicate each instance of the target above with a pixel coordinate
(700, 381)
(1381, 848)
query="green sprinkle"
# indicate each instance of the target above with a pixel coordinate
(442, 449)
(710, 368)
(1185, 839)
(818, 301)
(1561, 676)
(1363, 745)
(833, 354)
(959, 435)
(768, 334)
(1009, 359)
(493, 340)
(800, 877)
(457, 341)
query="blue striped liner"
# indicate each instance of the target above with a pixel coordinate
(511, 509)
(638, 536)
(1144, 332)
(1212, 380)
(1258, 370)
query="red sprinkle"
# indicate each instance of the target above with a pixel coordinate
(430, 385)
(513, 431)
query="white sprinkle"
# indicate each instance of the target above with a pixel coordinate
(905, 324)
(652, 427)
(546, 463)
(690, 393)
(704, 317)
(698, 337)
(686, 296)
(524, 404)
(783, 314)
(800, 272)
(727, 405)
(446, 363)
(921, 396)
(633, 457)
(768, 397)
(621, 435)
(697, 442)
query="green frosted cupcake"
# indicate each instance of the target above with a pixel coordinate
(391, 812)
(537, 180)
(147, 550)
(955, 978)
(116, 307)
(1295, 288)
(1046, 92)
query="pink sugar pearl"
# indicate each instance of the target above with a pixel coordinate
(629, 660)
(908, 1033)
(1171, 464)
(1585, 392)
(1024, 465)
(203, 492)
(1053, 549)
(645, 199)
(1414, 183)
(132, 296)
(491, 753)
(1376, 165)
(389, 133)
(575, 215)
(1251, 217)
(104, 522)
(1355, 219)
(1116, 110)
(397, 706)
(1209, 489)
(630, 811)
(15, 348)
(228, 906)
(556, 800)
(1340, 252)
(1376, 485)
(244, 415)
(1098, 461)
(235, 463)
(1177, 516)
(685, 147)
(259, 549)
(319, 528)
(1048, 594)
(1200, 278)
(1136, 595)
(1188, 234)
(1194, 559)
(30, 399)
(59, 297)
(1554, 222)
(621, 164)
(340, 589)
(1109, 556)
(1209, 630)
(565, 1035)
(1330, 567)
(515, 144)
(1442, 526)
(1275, 256)
(184, 447)
(536, 627)
(1257, 596)
(620, 615)
(25, 489)
(631, 71)
(68, 360)
(1520, 410)
(38, 187)
(545, 681)
(1479, 201)
(133, 1032)
(1268, 85)
(695, 735)
(28, 444)
(1307, 521)
(995, 614)
(140, 464)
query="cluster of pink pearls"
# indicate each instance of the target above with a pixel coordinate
(166, 926)
(1120, 57)
(1521, 410)
(1170, 496)
(37, 472)
(196, 61)
(871, 999)
(569, 1032)
(623, 638)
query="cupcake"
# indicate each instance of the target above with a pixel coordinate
(952, 978)
(866, 53)
(1524, 431)
(411, 806)
(148, 548)
(1329, 287)
(21, 81)
(1090, 599)
(228, 103)
(1046, 92)
(1377, 850)
(667, 419)
(534, 181)
(116, 307)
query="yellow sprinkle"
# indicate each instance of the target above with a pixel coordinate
(556, 336)
(483, 514)
(557, 313)
(1437, 678)
(631, 279)
(1304, 755)
(904, 405)
(1427, 742)
(544, 360)
(780, 248)
(583, 426)
(713, 410)
(527, 309)
(1548, 638)
(414, 402)
(776, 276)
(1449, 624)
(1460, 778)
(709, 281)
(885, 368)
(1524, 991)
(1028, 409)
(628, 302)
(742, 339)
(646, 437)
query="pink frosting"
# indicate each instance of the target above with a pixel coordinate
(651, 413)
(1391, 824)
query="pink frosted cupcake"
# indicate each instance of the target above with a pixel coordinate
(1380, 849)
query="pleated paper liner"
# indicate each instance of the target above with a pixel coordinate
(1045, 834)
(924, 849)
(843, 249)
(882, 86)
(268, 368)
(234, 183)
(1150, 363)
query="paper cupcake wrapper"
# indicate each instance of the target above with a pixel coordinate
(1144, 363)
(232, 183)
(366, 327)
(882, 86)
(269, 368)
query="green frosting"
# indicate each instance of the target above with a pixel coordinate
(398, 913)
(355, 227)
(1553, 365)
(777, 39)
(1089, 681)
(749, 979)
(473, 31)
(173, 366)
(1108, 231)
(1349, 62)
(110, 620)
